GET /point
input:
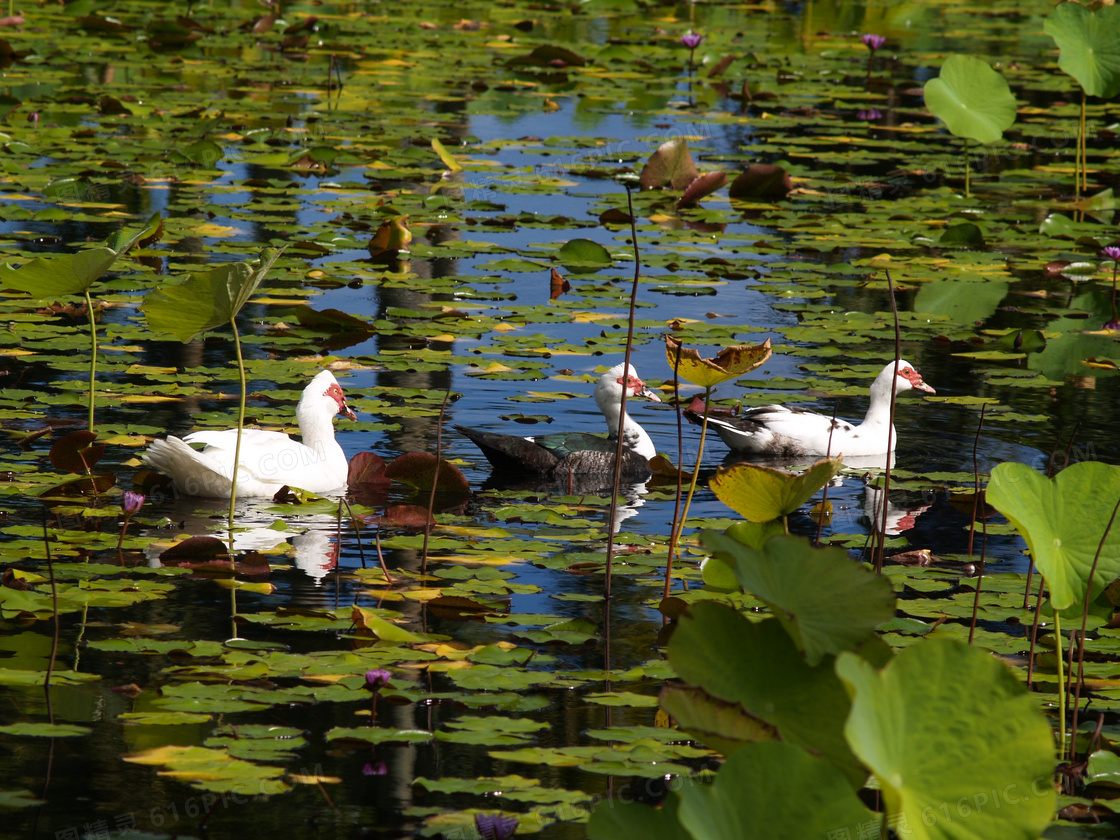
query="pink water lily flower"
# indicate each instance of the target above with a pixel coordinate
(692, 39)
(873, 42)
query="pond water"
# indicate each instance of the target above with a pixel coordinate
(572, 682)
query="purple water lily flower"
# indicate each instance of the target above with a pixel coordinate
(1112, 252)
(692, 39)
(495, 826)
(869, 114)
(872, 41)
(377, 679)
(371, 769)
(131, 503)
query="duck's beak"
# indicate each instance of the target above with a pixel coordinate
(916, 381)
(648, 394)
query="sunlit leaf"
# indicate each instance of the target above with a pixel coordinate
(827, 605)
(1089, 44)
(729, 363)
(729, 656)
(671, 165)
(207, 300)
(759, 493)
(896, 728)
(1063, 519)
(972, 99)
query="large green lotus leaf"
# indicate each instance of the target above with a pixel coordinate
(70, 274)
(971, 98)
(760, 494)
(737, 660)
(964, 302)
(956, 742)
(719, 724)
(1063, 520)
(1089, 44)
(73, 274)
(773, 790)
(619, 818)
(826, 603)
(208, 299)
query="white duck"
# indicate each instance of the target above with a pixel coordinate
(780, 431)
(578, 453)
(269, 460)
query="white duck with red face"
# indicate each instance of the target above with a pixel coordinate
(779, 431)
(269, 460)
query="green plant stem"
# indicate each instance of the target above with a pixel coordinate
(1084, 623)
(677, 493)
(236, 465)
(92, 356)
(625, 378)
(967, 168)
(1082, 145)
(675, 535)
(240, 425)
(1061, 683)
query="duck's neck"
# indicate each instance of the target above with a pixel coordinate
(315, 427)
(879, 411)
(634, 437)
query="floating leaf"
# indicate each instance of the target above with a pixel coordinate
(581, 253)
(964, 233)
(445, 156)
(963, 302)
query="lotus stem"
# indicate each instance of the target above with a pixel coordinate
(240, 425)
(1062, 696)
(674, 539)
(92, 357)
(1083, 146)
(1084, 622)
(625, 378)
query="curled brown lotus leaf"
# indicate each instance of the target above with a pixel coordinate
(726, 364)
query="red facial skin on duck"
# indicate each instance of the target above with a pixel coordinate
(915, 379)
(335, 393)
